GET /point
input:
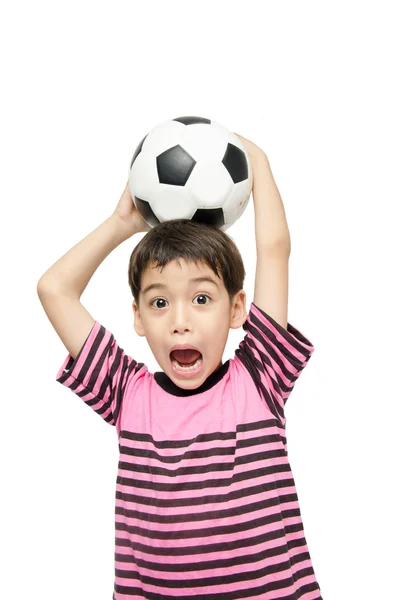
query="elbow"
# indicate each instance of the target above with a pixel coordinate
(44, 286)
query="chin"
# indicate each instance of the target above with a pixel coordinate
(188, 385)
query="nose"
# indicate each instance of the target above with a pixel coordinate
(180, 318)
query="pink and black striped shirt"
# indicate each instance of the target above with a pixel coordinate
(206, 504)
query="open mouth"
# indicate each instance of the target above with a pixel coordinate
(188, 362)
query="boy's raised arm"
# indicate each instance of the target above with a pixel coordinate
(62, 285)
(273, 244)
(72, 272)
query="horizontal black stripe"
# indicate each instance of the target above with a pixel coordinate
(258, 572)
(216, 563)
(204, 437)
(209, 532)
(192, 454)
(225, 513)
(197, 501)
(210, 548)
(224, 595)
(180, 486)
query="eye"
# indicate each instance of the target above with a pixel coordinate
(198, 296)
(203, 296)
(157, 299)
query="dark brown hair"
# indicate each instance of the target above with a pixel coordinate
(197, 242)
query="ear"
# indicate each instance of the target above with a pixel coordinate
(238, 314)
(138, 326)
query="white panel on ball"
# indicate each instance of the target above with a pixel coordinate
(143, 175)
(164, 136)
(210, 184)
(169, 200)
(204, 142)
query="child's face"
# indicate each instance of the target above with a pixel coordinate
(177, 314)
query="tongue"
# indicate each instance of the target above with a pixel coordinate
(186, 357)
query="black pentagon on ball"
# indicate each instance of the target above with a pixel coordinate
(235, 162)
(146, 211)
(192, 120)
(210, 216)
(137, 151)
(174, 166)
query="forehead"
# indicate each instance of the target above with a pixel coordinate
(178, 274)
(180, 268)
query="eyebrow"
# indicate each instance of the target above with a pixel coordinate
(162, 286)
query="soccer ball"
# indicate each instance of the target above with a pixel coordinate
(191, 168)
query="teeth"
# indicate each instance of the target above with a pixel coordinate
(178, 366)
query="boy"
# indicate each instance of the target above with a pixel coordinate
(206, 505)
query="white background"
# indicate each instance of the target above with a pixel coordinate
(313, 84)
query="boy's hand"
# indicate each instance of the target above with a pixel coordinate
(129, 214)
(253, 151)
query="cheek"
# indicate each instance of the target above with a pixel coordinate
(216, 333)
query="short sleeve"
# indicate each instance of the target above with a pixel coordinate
(101, 374)
(274, 357)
